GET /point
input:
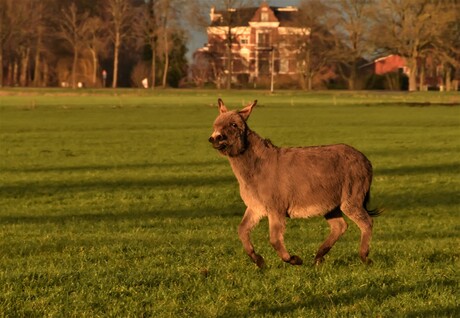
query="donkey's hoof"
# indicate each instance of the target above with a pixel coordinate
(318, 261)
(295, 260)
(259, 261)
(368, 262)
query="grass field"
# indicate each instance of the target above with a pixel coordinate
(113, 204)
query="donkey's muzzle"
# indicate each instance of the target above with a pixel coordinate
(218, 141)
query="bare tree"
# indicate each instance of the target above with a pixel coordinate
(352, 34)
(96, 42)
(74, 28)
(315, 43)
(158, 31)
(446, 48)
(231, 19)
(40, 27)
(6, 31)
(168, 27)
(410, 28)
(41, 24)
(120, 17)
(148, 29)
(165, 20)
(17, 38)
(20, 34)
(199, 71)
(203, 69)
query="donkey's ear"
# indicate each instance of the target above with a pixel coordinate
(245, 112)
(222, 108)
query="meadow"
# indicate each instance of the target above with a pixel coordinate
(113, 204)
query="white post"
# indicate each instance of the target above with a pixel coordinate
(273, 70)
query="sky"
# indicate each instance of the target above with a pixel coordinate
(198, 38)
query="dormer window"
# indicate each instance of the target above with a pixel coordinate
(264, 16)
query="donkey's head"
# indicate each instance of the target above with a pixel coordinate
(230, 130)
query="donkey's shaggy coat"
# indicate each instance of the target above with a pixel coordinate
(294, 182)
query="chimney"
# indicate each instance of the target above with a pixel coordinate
(212, 13)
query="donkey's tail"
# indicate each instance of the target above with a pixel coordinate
(374, 212)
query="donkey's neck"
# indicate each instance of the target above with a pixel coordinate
(253, 160)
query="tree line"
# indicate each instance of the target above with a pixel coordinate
(114, 43)
(95, 43)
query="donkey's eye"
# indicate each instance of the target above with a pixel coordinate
(234, 125)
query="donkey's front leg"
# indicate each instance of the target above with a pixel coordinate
(277, 224)
(250, 220)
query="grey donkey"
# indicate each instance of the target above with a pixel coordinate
(299, 182)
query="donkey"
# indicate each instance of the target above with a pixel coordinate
(279, 182)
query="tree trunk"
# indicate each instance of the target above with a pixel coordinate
(38, 49)
(412, 74)
(310, 82)
(1, 51)
(153, 67)
(74, 68)
(94, 76)
(302, 82)
(24, 67)
(1, 65)
(353, 76)
(215, 75)
(37, 75)
(153, 41)
(166, 58)
(448, 79)
(45, 74)
(228, 65)
(15, 73)
(9, 79)
(421, 84)
(165, 71)
(302, 74)
(308, 69)
(412, 81)
(351, 84)
(115, 59)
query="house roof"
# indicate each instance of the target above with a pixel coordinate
(286, 16)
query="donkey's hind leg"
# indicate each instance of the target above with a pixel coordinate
(250, 220)
(361, 217)
(338, 227)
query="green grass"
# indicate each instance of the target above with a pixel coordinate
(112, 203)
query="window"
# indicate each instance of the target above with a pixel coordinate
(284, 66)
(263, 67)
(245, 56)
(244, 41)
(263, 39)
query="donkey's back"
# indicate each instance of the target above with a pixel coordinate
(317, 180)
